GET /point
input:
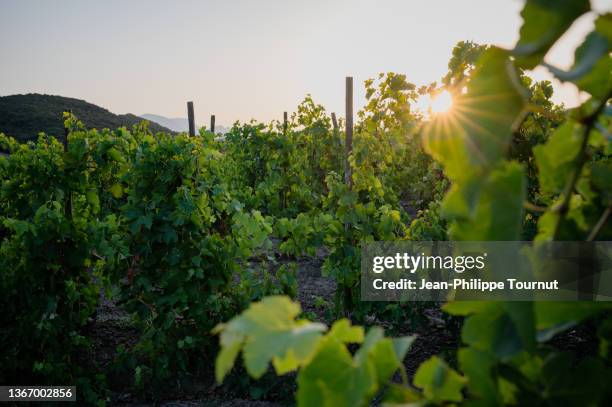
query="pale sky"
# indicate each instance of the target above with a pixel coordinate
(242, 59)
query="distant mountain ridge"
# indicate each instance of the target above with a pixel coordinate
(24, 116)
(178, 124)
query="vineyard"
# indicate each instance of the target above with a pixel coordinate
(146, 267)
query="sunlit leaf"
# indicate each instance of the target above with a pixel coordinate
(497, 209)
(592, 69)
(332, 378)
(476, 133)
(268, 332)
(342, 331)
(477, 366)
(439, 382)
(544, 21)
(116, 190)
(556, 158)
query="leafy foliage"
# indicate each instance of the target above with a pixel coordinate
(186, 235)
(172, 221)
(486, 202)
(543, 23)
(504, 359)
(267, 332)
(55, 251)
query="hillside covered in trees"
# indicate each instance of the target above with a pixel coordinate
(24, 116)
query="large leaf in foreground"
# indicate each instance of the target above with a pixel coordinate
(592, 67)
(267, 332)
(544, 21)
(439, 382)
(556, 158)
(553, 317)
(335, 378)
(477, 365)
(476, 133)
(491, 212)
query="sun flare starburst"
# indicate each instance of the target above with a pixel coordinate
(441, 103)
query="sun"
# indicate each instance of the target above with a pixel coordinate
(441, 103)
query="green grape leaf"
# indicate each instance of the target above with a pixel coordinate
(115, 154)
(227, 357)
(461, 198)
(605, 337)
(546, 225)
(332, 378)
(603, 25)
(402, 346)
(493, 332)
(592, 61)
(503, 329)
(439, 382)
(586, 57)
(522, 315)
(498, 209)
(348, 198)
(20, 227)
(569, 383)
(342, 331)
(464, 308)
(398, 395)
(477, 366)
(268, 332)
(380, 352)
(598, 82)
(544, 21)
(555, 159)
(475, 134)
(93, 199)
(601, 174)
(116, 190)
(555, 317)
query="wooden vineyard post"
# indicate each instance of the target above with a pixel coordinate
(334, 121)
(212, 124)
(335, 131)
(285, 123)
(191, 119)
(349, 131)
(348, 179)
